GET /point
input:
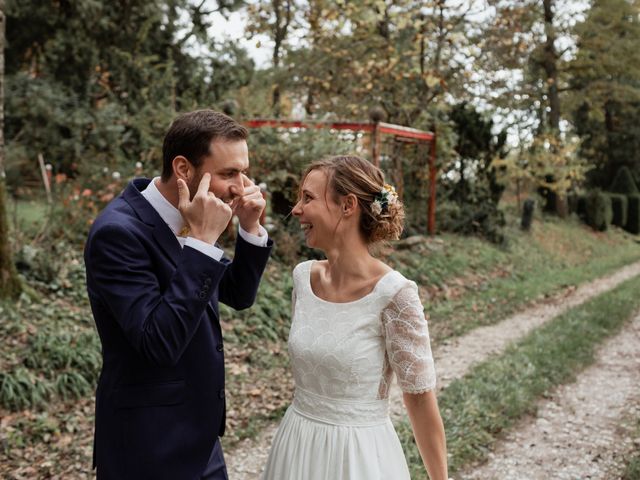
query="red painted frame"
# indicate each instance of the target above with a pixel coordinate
(376, 129)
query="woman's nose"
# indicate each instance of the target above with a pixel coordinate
(296, 211)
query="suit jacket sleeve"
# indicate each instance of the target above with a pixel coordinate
(158, 323)
(239, 285)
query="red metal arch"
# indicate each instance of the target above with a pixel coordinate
(376, 129)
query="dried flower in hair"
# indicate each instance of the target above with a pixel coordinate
(376, 207)
(387, 196)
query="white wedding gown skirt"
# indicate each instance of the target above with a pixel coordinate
(336, 443)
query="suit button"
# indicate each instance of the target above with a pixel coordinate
(221, 393)
(207, 282)
(202, 295)
(220, 347)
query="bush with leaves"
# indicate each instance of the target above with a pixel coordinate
(619, 205)
(599, 212)
(633, 218)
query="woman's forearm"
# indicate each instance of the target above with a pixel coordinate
(428, 431)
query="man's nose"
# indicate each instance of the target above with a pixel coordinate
(237, 187)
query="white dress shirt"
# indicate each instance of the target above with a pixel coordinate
(173, 218)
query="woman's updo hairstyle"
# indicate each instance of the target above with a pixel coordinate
(354, 175)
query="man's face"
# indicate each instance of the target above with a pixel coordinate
(226, 164)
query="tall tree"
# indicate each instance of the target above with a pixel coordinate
(275, 19)
(605, 76)
(10, 286)
(403, 55)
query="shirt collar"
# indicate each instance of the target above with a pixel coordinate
(170, 214)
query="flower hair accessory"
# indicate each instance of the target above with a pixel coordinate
(385, 197)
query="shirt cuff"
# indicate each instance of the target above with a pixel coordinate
(204, 247)
(260, 240)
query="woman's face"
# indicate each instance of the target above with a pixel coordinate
(318, 213)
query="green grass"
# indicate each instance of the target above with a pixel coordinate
(501, 281)
(27, 215)
(632, 470)
(499, 391)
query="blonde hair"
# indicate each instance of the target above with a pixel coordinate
(349, 174)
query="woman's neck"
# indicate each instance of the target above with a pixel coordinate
(349, 262)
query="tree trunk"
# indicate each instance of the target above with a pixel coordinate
(10, 286)
(281, 27)
(550, 64)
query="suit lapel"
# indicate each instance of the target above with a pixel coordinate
(161, 232)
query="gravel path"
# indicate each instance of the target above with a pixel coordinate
(453, 359)
(586, 427)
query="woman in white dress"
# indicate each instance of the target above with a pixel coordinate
(355, 323)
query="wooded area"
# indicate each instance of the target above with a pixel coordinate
(540, 95)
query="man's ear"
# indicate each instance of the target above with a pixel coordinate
(182, 168)
(349, 204)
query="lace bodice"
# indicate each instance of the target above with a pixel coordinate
(348, 352)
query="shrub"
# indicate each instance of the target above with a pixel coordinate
(527, 214)
(599, 212)
(623, 183)
(581, 207)
(481, 219)
(633, 214)
(619, 206)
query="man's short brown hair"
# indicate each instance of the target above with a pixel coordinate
(191, 134)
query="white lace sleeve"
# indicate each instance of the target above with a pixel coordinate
(407, 341)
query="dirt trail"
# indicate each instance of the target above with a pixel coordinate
(453, 359)
(584, 430)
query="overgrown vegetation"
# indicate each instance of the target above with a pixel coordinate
(496, 393)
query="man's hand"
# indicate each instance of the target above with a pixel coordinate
(206, 215)
(249, 206)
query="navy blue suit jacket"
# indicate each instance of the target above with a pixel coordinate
(160, 402)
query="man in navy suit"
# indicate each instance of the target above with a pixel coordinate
(154, 279)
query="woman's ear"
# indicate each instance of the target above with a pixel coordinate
(349, 205)
(182, 168)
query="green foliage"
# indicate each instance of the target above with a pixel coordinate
(619, 207)
(270, 317)
(91, 84)
(54, 362)
(475, 150)
(605, 98)
(470, 184)
(599, 212)
(498, 281)
(21, 388)
(496, 393)
(632, 469)
(633, 219)
(623, 182)
(483, 219)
